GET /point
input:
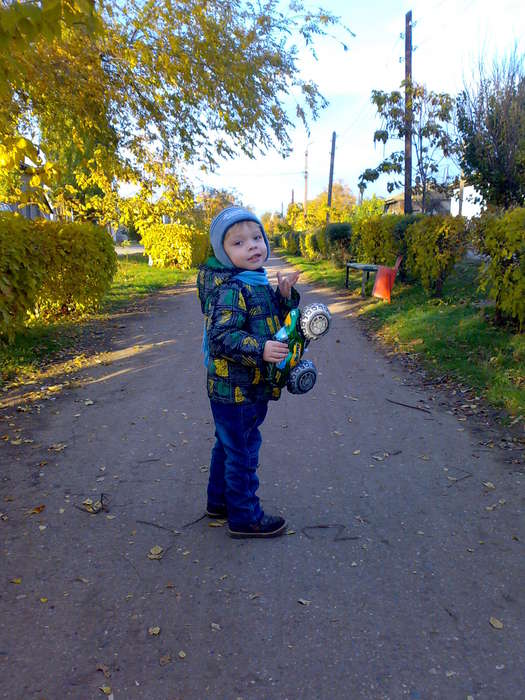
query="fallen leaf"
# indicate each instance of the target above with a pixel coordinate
(253, 596)
(92, 507)
(291, 532)
(153, 631)
(356, 452)
(105, 689)
(156, 552)
(57, 446)
(88, 402)
(43, 600)
(497, 624)
(36, 510)
(215, 627)
(302, 601)
(215, 524)
(16, 581)
(165, 660)
(182, 654)
(81, 579)
(488, 484)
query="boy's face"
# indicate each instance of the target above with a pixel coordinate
(244, 244)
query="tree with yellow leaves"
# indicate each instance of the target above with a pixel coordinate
(133, 91)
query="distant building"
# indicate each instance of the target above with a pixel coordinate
(436, 203)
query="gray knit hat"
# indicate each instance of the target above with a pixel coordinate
(220, 225)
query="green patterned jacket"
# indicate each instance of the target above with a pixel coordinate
(239, 319)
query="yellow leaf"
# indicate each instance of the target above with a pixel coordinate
(17, 581)
(36, 510)
(156, 552)
(43, 600)
(154, 631)
(105, 689)
(497, 624)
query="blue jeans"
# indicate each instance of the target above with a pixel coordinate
(234, 459)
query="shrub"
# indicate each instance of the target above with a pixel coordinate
(338, 233)
(290, 242)
(503, 277)
(79, 263)
(175, 245)
(21, 272)
(311, 246)
(403, 221)
(321, 241)
(374, 240)
(435, 244)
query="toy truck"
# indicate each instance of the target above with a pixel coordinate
(300, 327)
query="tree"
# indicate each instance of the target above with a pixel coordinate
(153, 86)
(491, 125)
(343, 201)
(432, 143)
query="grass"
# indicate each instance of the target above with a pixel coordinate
(135, 278)
(39, 341)
(451, 336)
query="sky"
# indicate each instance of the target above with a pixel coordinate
(449, 37)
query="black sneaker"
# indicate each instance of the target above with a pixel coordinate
(213, 511)
(268, 526)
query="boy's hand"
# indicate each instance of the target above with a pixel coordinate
(274, 351)
(286, 283)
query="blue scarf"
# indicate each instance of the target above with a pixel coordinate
(251, 277)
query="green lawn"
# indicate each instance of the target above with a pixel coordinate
(38, 342)
(451, 335)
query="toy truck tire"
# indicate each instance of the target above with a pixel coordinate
(315, 321)
(302, 377)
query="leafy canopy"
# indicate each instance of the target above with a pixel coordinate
(96, 93)
(432, 141)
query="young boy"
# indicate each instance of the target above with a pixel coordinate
(242, 313)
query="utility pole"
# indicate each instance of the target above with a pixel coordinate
(331, 178)
(305, 206)
(293, 197)
(408, 113)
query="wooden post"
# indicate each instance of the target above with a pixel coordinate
(408, 113)
(330, 178)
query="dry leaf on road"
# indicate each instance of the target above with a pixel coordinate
(156, 552)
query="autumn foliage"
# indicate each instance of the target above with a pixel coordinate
(48, 269)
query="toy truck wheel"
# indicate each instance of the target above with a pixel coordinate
(315, 321)
(302, 377)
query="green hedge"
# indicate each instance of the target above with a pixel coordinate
(175, 245)
(435, 244)
(503, 277)
(80, 263)
(21, 273)
(49, 268)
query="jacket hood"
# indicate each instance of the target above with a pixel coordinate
(211, 275)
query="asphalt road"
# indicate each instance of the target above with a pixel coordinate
(405, 535)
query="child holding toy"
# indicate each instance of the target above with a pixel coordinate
(242, 313)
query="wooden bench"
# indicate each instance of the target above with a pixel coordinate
(366, 269)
